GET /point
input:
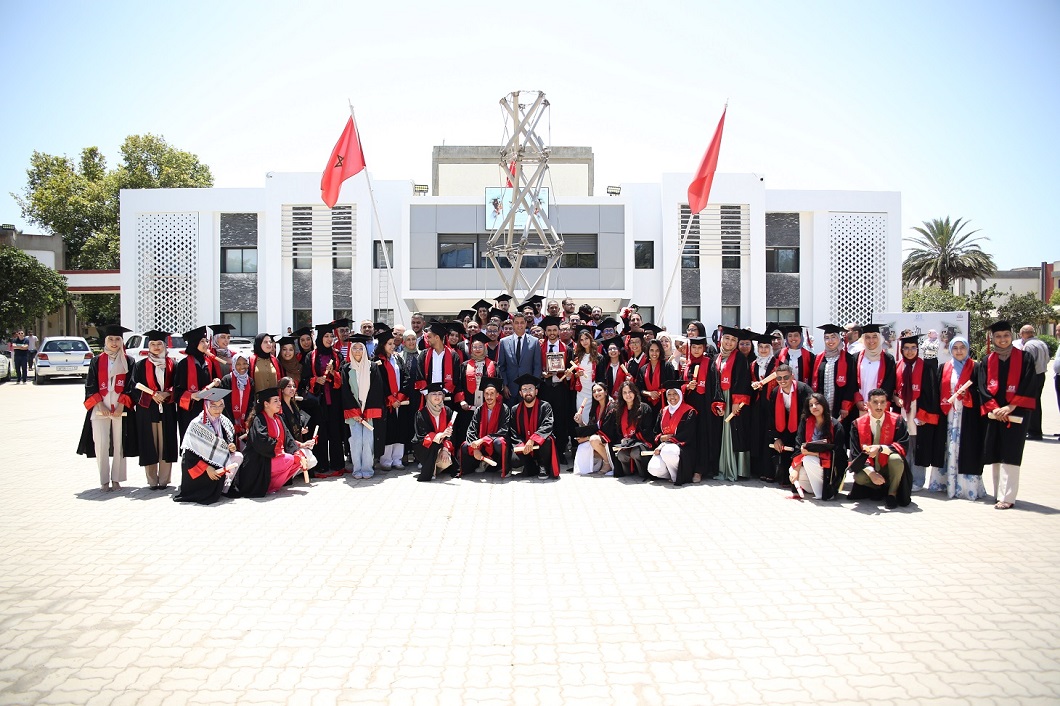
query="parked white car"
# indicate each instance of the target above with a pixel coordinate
(239, 344)
(62, 355)
(136, 346)
(6, 368)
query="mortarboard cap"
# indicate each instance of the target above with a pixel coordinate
(360, 338)
(481, 338)
(731, 331)
(481, 304)
(222, 328)
(268, 393)
(870, 328)
(635, 334)
(791, 328)
(466, 313)
(457, 326)
(286, 340)
(383, 336)
(528, 380)
(304, 331)
(550, 321)
(435, 387)
(832, 328)
(651, 327)
(585, 328)
(606, 343)
(381, 326)
(157, 336)
(763, 338)
(503, 297)
(500, 314)
(115, 330)
(439, 328)
(697, 341)
(674, 384)
(193, 336)
(607, 323)
(496, 383)
(999, 326)
(214, 394)
(911, 339)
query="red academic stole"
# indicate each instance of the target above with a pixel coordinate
(669, 422)
(240, 403)
(391, 378)
(840, 370)
(104, 385)
(652, 380)
(629, 427)
(598, 410)
(724, 369)
(447, 370)
(152, 381)
(792, 413)
(472, 379)
(192, 371)
(825, 456)
(620, 377)
(755, 377)
(879, 372)
(1015, 369)
(439, 425)
(804, 359)
(544, 352)
(917, 383)
(703, 365)
(946, 389)
(527, 426)
(275, 366)
(275, 430)
(864, 426)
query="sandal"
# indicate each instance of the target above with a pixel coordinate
(1004, 506)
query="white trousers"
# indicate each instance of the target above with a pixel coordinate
(110, 469)
(586, 461)
(811, 476)
(1006, 482)
(393, 455)
(158, 473)
(664, 464)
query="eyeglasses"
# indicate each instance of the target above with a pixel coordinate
(783, 379)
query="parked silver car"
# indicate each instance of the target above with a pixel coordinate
(62, 355)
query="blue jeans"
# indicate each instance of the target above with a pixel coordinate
(21, 366)
(362, 446)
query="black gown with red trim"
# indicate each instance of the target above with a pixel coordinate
(787, 435)
(641, 438)
(687, 437)
(534, 423)
(741, 426)
(147, 413)
(496, 445)
(833, 463)
(761, 458)
(1003, 442)
(424, 446)
(188, 408)
(86, 445)
(255, 472)
(970, 452)
(894, 434)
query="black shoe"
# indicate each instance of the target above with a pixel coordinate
(1034, 437)
(542, 474)
(892, 502)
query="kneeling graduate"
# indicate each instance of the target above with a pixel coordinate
(208, 452)
(531, 431)
(487, 435)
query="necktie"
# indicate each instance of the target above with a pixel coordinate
(518, 350)
(876, 440)
(552, 348)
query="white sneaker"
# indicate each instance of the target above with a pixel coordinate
(396, 465)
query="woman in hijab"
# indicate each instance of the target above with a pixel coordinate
(762, 366)
(363, 399)
(395, 387)
(675, 438)
(240, 402)
(957, 463)
(322, 378)
(272, 456)
(265, 370)
(192, 376)
(288, 357)
(595, 429)
(109, 433)
(433, 443)
(876, 367)
(156, 414)
(209, 453)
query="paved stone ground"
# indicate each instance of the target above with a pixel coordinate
(581, 591)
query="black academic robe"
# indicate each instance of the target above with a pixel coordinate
(255, 472)
(148, 413)
(761, 460)
(188, 408)
(534, 423)
(388, 430)
(970, 452)
(452, 379)
(195, 485)
(406, 424)
(687, 437)
(805, 359)
(1001, 383)
(741, 426)
(846, 381)
(368, 406)
(86, 445)
(331, 431)
(834, 462)
(228, 382)
(885, 380)
(699, 395)
(612, 378)
(928, 410)
(296, 419)
(426, 447)
(633, 439)
(652, 379)
(895, 435)
(495, 432)
(775, 412)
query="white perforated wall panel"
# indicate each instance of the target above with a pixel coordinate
(167, 263)
(858, 266)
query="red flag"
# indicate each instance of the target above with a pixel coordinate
(346, 160)
(699, 189)
(511, 170)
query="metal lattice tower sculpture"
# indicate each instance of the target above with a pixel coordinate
(525, 158)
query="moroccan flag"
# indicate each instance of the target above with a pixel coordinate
(699, 189)
(346, 160)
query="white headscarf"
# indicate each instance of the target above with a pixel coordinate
(360, 373)
(241, 380)
(674, 407)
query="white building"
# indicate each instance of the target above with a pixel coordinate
(274, 256)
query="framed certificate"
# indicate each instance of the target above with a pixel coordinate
(554, 363)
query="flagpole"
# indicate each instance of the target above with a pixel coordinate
(379, 224)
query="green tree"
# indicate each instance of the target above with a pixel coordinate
(1055, 298)
(943, 255)
(932, 299)
(1023, 309)
(28, 289)
(80, 202)
(98, 309)
(980, 306)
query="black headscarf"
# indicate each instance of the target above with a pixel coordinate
(258, 351)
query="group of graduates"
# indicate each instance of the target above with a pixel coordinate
(532, 393)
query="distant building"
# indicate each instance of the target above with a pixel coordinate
(274, 256)
(1040, 280)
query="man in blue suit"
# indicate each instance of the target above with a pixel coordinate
(517, 355)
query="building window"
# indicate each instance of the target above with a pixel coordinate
(730, 316)
(647, 313)
(239, 260)
(377, 256)
(384, 315)
(782, 260)
(245, 322)
(688, 315)
(342, 314)
(456, 252)
(644, 254)
(342, 262)
(730, 262)
(579, 252)
(302, 318)
(302, 263)
(783, 316)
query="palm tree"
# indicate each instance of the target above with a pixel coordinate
(944, 254)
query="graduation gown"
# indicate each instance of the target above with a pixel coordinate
(147, 413)
(255, 472)
(1004, 382)
(535, 423)
(195, 485)
(970, 452)
(833, 463)
(739, 389)
(893, 434)
(885, 377)
(238, 404)
(758, 422)
(389, 430)
(652, 379)
(699, 396)
(928, 411)
(86, 445)
(637, 437)
(423, 442)
(845, 377)
(494, 431)
(784, 425)
(684, 432)
(805, 362)
(452, 377)
(184, 385)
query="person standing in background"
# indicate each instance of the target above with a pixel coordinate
(34, 344)
(1039, 353)
(20, 351)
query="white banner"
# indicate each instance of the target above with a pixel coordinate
(937, 327)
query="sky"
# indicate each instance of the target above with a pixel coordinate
(954, 104)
